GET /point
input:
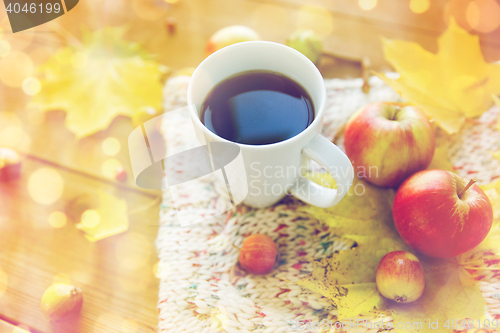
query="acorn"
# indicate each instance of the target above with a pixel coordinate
(258, 254)
(10, 164)
(121, 175)
(61, 300)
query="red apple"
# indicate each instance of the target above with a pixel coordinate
(400, 277)
(387, 142)
(441, 214)
(230, 35)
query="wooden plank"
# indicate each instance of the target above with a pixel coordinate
(398, 15)
(32, 253)
(352, 37)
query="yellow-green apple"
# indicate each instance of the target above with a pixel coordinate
(230, 35)
(400, 277)
(387, 142)
(307, 43)
(441, 214)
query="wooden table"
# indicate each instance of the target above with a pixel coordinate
(118, 298)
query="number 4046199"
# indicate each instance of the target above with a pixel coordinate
(33, 8)
(471, 324)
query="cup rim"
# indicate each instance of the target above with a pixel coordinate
(319, 110)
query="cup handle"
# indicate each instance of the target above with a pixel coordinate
(336, 163)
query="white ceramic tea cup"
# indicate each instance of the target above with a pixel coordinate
(277, 169)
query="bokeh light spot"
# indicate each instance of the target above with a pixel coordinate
(419, 6)
(4, 48)
(45, 186)
(456, 9)
(12, 133)
(473, 14)
(90, 218)
(111, 146)
(483, 15)
(57, 219)
(15, 68)
(367, 4)
(110, 167)
(31, 86)
(316, 18)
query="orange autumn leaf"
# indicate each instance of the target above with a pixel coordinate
(454, 84)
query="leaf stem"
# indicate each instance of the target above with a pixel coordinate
(471, 182)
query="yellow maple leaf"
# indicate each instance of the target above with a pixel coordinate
(492, 240)
(348, 277)
(441, 158)
(450, 86)
(108, 219)
(105, 77)
(493, 192)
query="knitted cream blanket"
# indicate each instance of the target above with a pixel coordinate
(200, 289)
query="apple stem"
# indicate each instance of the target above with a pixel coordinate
(471, 182)
(394, 115)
